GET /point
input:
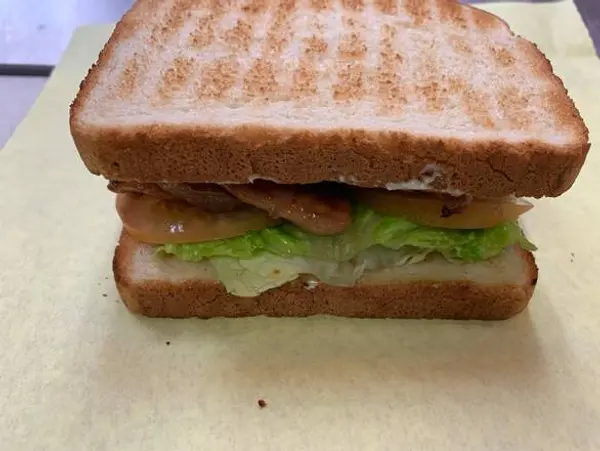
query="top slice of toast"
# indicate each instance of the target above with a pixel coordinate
(368, 92)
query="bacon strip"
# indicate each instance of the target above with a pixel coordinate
(208, 197)
(319, 213)
(311, 209)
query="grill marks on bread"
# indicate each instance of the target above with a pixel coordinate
(389, 7)
(473, 99)
(255, 7)
(418, 10)
(474, 103)
(391, 91)
(353, 5)
(320, 5)
(239, 37)
(217, 78)
(351, 81)
(452, 13)
(280, 32)
(176, 77)
(434, 90)
(353, 46)
(512, 103)
(305, 77)
(174, 19)
(241, 51)
(214, 80)
(205, 31)
(503, 57)
(261, 81)
(204, 34)
(128, 80)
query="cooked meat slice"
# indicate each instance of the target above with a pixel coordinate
(206, 196)
(322, 213)
(211, 198)
(150, 189)
(317, 212)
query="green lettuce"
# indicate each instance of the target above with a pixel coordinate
(367, 230)
(250, 277)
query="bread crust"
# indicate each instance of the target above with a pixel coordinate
(428, 299)
(482, 169)
(369, 158)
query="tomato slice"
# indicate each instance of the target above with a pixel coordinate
(438, 211)
(157, 221)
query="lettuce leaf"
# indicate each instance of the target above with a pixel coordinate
(250, 277)
(367, 230)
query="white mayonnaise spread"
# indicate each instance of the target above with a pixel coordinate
(418, 185)
(252, 178)
(428, 175)
(311, 284)
(349, 180)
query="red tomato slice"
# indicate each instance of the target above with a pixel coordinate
(436, 211)
(158, 221)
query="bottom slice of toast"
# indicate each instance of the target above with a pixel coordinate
(491, 290)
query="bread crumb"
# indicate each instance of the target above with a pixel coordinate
(262, 403)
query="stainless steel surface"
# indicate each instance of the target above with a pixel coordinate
(37, 31)
(18, 95)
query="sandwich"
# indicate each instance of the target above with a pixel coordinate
(352, 158)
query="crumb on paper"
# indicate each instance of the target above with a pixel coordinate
(262, 403)
(104, 295)
(168, 343)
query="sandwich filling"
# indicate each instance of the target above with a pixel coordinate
(262, 235)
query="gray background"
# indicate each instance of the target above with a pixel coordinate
(34, 33)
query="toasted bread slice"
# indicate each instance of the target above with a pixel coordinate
(492, 290)
(372, 93)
